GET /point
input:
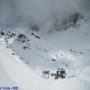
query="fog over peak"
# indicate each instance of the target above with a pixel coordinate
(15, 13)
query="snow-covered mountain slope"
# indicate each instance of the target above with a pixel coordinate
(17, 71)
(60, 46)
(26, 79)
(68, 49)
(77, 37)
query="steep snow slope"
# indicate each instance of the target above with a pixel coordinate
(26, 79)
(59, 51)
(68, 49)
(5, 80)
(17, 70)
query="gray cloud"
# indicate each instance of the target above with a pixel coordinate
(83, 5)
(27, 12)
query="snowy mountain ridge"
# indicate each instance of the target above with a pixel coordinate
(68, 49)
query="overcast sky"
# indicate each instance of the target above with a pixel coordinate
(25, 12)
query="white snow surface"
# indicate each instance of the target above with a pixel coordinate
(26, 79)
(70, 49)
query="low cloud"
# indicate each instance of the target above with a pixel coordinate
(15, 13)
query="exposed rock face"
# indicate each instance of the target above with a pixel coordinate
(70, 21)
